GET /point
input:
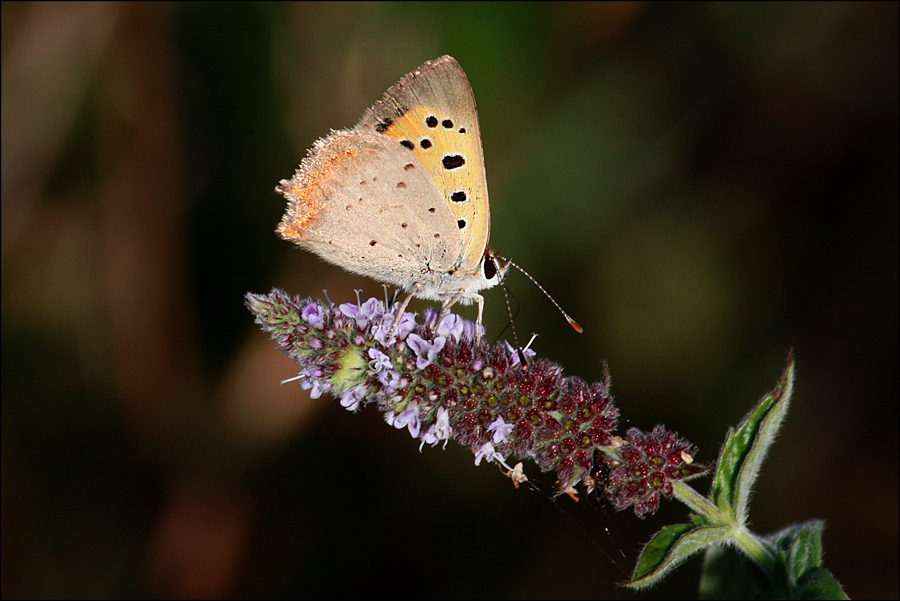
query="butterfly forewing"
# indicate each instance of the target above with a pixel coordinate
(431, 114)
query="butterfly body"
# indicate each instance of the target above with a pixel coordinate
(402, 197)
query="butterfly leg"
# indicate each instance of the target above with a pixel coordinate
(403, 306)
(478, 327)
(445, 308)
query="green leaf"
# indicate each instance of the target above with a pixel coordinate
(796, 574)
(819, 584)
(728, 574)
(746, 446)
(669, 548)
(805, 549)
(740, 564)
(800, 546)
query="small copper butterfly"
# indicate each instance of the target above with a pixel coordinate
(402, 197)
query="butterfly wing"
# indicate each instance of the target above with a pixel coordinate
(432, 113)
(364, 202)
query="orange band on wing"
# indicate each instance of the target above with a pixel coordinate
(304, 194)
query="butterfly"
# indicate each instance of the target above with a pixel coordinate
(402, 196)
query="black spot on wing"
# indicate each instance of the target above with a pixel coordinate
(453, 161)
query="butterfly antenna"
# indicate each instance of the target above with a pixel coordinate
(512, 324)
(571, 321)
(506, 327)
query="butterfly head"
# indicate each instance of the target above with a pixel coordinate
(493, 268)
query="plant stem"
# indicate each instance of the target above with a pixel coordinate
(743, 539)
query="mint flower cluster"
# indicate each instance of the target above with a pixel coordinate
(439, 383)
(649, 464)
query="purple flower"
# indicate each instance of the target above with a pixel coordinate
(501, 430)
(439, 430)
(427, 377)
(486, 451)
(381, 365)
(380, 362)
(514, 354)
(429, 318)
(389, 379)
(426, 352)
(314, 315)
(406, 325)
(316, 386)
(409, 417)
(350, 310)
(471, 330)
(352, 398)
(369, 312)
(452, 325)
(315, 380)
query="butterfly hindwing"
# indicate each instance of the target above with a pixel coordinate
(367, 204)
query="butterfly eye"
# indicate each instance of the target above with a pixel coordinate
(490, 268)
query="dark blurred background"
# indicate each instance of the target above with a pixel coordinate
(702, 186)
